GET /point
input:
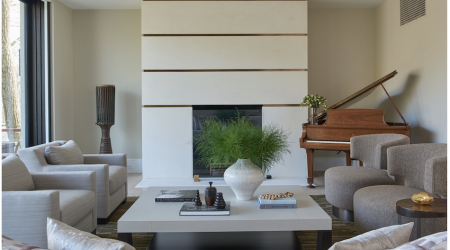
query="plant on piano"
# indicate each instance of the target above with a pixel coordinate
(252, 150)
(314, 101)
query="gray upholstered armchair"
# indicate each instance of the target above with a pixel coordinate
(416, 168)
(111, 170)
(28, 199)
(341, 183)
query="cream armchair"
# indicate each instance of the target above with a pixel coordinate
(28, 199)
(111, 170)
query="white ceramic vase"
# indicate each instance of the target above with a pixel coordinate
(244, 177)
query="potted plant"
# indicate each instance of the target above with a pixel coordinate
(252, 149)
(314, 102)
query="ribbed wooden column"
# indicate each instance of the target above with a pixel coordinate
(105, 114)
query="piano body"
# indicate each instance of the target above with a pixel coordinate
(334, 133)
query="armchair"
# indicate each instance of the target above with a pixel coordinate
(111, 170)
(341, 183)
(29, 198)
(416, 168)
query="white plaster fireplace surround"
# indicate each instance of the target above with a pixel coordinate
(220, 53)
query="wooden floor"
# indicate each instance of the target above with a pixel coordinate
(341, 230)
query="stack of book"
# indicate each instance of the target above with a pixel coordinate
(190, 208)
(287, 202)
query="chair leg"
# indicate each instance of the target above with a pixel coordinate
(124, 201)
(102, 220)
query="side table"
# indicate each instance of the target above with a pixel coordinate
(407, 208)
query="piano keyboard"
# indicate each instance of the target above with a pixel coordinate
(338, 142)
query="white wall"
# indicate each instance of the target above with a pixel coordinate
(341, 58)
(107, 50)
(418, 51)
(62, 78)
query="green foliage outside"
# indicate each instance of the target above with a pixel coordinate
(222, 142)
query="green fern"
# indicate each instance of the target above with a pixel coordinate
(238, 138)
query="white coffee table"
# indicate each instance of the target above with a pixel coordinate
(146, 215)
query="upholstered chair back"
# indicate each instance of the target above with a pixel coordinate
(15, 175)
(34, 157)
(422, 166)
(372, 149)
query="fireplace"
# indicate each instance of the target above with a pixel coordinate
(222, 112)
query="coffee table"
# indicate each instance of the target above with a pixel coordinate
(162, 218)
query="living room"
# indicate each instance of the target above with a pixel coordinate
(350, 44)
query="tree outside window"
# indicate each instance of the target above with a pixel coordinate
(11, 84)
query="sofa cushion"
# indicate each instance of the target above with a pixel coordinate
(437, 241)
(75, 205)
(379, 239)
(65, 154)
(117, 177)
(11, 244)
(61, 236)
(15, 175)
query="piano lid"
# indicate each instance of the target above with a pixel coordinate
(361, 94)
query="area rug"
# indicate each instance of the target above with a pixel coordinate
(341, 230)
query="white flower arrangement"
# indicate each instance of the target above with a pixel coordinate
(314, 101)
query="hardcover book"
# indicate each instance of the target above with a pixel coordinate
(276, 206)
(286, 200)
(176, 195)
(190, 208)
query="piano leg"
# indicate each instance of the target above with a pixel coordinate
(310, 161)
(347, 158)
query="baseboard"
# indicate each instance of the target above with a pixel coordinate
(134, 166)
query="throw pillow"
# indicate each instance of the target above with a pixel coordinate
(69, 153)
(437, 241)
(15, 175)
(60, 236)
(10, 244)
(379, 239)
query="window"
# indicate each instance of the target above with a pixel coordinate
(25, 82)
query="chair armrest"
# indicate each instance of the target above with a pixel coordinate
(111, 159)
(102, 179)
(24, 214)
(78, 180)
(372, 149)
(435, 180)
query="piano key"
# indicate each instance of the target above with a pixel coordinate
(318, 141)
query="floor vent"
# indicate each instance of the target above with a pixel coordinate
(411, 10)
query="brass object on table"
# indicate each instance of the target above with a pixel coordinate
(422, 198)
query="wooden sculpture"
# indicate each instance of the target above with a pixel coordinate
(105, 114)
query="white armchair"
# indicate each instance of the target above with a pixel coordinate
(28, 199)
(111, 170)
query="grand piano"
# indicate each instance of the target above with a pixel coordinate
(336, 126)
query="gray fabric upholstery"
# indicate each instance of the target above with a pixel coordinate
(107, 182)
(15, 175)
(117, 177)
(102, 186)
(375, 208)
(25, 213)
(342, 182)
(76, 205)
(372, 149)
(417, 166)
(34, 157)
(436, 176)
(407, 163)
(68, 153)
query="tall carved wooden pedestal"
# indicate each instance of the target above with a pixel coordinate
(105, 114)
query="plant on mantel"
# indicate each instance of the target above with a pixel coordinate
(238, 138)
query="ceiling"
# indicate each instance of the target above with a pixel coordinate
(136, 4)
